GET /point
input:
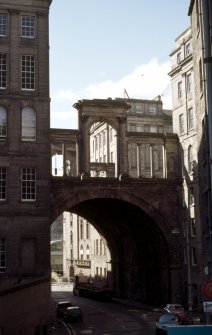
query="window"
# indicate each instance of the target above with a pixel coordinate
(28, 124)
(104, 138)
(28, 26)
(97, 247)
(139, 128)
(152, 109)
(111, 157)
(193, 227)
(189, 82)
(3, 123)
(81, 252)
(153, 129)
(190, 119)
(188, 49)
(87, 252)
(28, 72)
(3, 24)
(81, 230)
(191, 196)
(179, 58)
(111, 134)
(96, 143)
(3, 177)
(132, 127)
(100, 247)
(3, 71)
(190, 159)
(2, 255)
(87, 230)
(193, 256)
(28, 184)
(138, 109)
(180, 89)
(181, 124)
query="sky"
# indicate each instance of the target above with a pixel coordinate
(99, 48)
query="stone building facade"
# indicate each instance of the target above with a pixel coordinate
(192, 120)
(24, 167)
(145, 159)
(184, 124)
(85, 251)
(200, 12)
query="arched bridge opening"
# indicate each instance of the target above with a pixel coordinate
(141, 247)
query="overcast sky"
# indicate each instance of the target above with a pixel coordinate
(99, 48)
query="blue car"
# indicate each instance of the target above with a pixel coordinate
(164, 321)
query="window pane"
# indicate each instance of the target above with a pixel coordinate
(181, 124)
(28, 26)
(28, 72)
(3, 24)
(190, 119)
(3, 71)
(3, 123)
(28, 184)
(189, 83)
(2, 183)
(180, 89)
(28, 124)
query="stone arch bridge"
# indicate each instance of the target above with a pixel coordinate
(136, 216)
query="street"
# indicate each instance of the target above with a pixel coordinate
(108, 318)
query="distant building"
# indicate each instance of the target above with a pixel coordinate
(84, 249)
(200, 13)
(185, 125)
(144, 160)
(57, 245)
(78, 249)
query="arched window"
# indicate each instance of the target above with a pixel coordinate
(28, 124)
(190, 159)
(3, 123)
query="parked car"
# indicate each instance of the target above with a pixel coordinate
(164, 321)
(61, 308)
(174, 308)
(72, 314)
(183, 316)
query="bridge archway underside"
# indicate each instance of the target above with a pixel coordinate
(136, 218)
